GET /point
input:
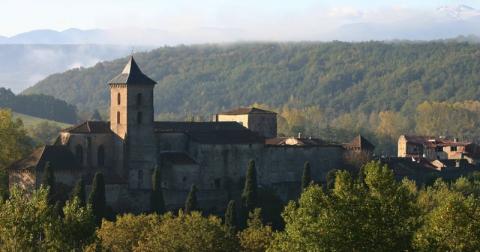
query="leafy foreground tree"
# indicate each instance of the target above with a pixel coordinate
(97, 199)
(48, 181)
(24, 220)
(77, 227)
(79, 192)
(256, 237)
(379, 215)
(307, 175)
(127, 232)
(452, 220)
(14, 141)
(191, 202)
(27, 223)
(188, 232)
(157, 202)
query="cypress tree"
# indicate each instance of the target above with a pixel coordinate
(4, 190)
(191, 202)
(307, 176)
(79, 192)
(231, 217)
(48, 181)
(157, 202)
(249, 194)
(97, 197)
(331, 178)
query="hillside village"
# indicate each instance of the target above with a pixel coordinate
(211, 155)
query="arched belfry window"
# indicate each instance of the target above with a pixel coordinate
(79, 153)
(101, 156)
(118, 117)
(119, 99)
(139, 117)
(139, 99)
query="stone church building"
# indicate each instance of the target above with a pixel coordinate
(212, 155)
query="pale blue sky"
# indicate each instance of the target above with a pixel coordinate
(18, 16)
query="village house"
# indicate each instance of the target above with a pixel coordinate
(442, 153)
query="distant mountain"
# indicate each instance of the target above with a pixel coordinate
(460, 11)
(130, 37)
(70, 36)
(24, 65)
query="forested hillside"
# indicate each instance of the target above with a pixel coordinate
(342, 76)
(38, 105)
(345, 84)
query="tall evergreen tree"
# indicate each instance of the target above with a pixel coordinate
(231, 217)
(48, 181)
(79, 192)
(249, 194)
(307, 176)
(191, 202)
(97, 197)
(331, 178)
(157, 202)
(4, 188)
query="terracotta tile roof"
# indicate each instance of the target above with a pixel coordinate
(132, 74)
(432, 142)
(244, 111)
(98, 127)
(361, 143)
(180, 158)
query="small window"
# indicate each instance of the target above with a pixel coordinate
(439, 149)
(140, 179)
(139, 117)
(139, 99)
(118, 117)
(217, 183)
(184, 179)
(118, 99)
(101, 156)
(453, 148)
(79, 153)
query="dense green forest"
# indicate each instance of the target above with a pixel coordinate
(38, 105)
(332, 90)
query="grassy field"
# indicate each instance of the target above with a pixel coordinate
(31, 121)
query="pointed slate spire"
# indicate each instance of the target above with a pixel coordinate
(132, 74)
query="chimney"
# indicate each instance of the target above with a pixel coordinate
(455, 139)
(299, 134)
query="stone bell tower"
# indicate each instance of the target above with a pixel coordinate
(131, 119)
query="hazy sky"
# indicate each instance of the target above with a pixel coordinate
(254, 16)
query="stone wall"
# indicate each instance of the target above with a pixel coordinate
(90, 144)
(264, 124)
